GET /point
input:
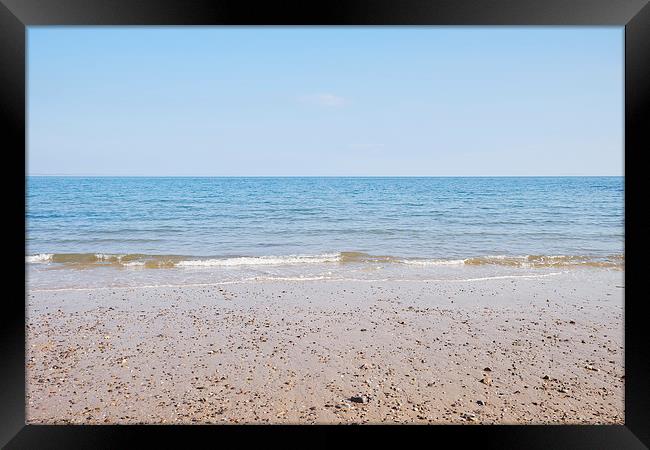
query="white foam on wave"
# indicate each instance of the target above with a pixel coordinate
(107, 256)
(433, 262)
(134, 264)
(40, 258)
(260, 260)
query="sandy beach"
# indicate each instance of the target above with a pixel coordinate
(503, 350)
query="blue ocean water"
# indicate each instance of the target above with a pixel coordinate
(430, 218)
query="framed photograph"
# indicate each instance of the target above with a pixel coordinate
(256, 217)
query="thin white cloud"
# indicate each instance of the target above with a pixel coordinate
(324, 99)
(365, 146)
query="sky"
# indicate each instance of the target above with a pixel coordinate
(325, 101)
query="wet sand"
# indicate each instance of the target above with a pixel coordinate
(507, 350)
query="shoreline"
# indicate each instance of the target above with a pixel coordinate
(159, 261)
(331, 351)
(300, 279)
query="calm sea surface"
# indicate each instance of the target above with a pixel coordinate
(246, 222)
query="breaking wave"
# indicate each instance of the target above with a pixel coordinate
(82, 260)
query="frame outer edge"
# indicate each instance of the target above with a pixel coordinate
(12, 111)
(637, 126)
(348, 12)
(12, 126)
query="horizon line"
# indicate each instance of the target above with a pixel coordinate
(311, 176)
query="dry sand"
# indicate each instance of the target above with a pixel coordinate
(509, 350)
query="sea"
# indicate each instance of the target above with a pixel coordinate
(89, 232)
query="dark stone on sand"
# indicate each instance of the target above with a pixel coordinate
(359, 399)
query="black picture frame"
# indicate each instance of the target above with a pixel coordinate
(634, 15)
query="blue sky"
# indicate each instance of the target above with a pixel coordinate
(423, 101)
